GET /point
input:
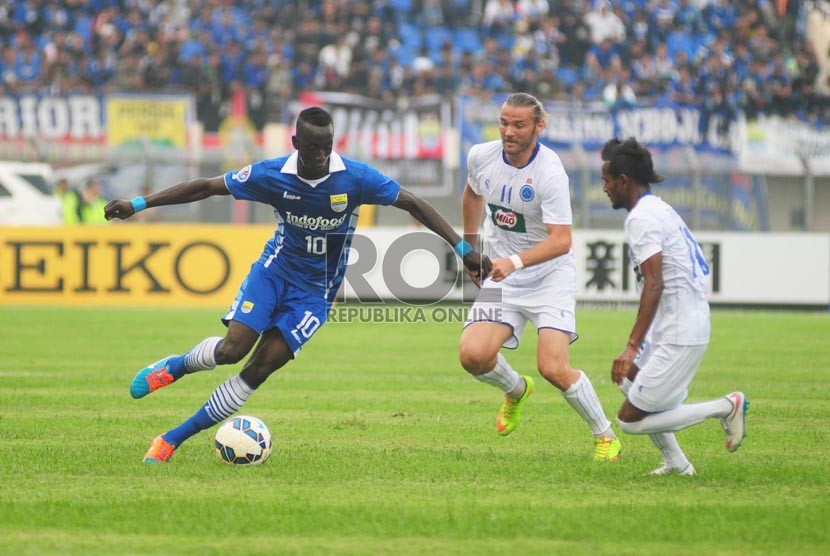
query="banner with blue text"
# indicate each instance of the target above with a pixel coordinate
(687, 144)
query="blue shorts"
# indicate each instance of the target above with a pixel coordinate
(267, 301)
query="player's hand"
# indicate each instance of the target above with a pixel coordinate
(622, 363)
(502, 268)
(478, 266)
(119, 209)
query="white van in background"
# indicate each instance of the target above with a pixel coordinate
(26, 196)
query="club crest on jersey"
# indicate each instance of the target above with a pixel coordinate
(339, 202)
(247, 306)
(527, 193)
(507, 219)
(243, 174)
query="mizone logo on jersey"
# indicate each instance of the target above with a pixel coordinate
(507, 219)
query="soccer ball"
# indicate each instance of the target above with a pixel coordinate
(243, 440)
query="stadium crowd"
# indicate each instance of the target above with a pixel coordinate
(724, 56)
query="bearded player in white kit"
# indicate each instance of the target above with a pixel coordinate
(671, 332)
(523, 189)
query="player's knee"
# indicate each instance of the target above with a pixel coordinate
(475, 360)
(254, 377)
(229, 352)
(558, 373)
(630, 427)
(259, 369)
(627, 427)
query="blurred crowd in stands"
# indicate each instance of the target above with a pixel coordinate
(725, 56)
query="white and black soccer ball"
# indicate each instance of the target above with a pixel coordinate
(243, 440)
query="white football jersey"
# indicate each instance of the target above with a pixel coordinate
(652, 227)
(518, 204)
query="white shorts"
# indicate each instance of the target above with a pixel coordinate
(665, 374)
(549, 303)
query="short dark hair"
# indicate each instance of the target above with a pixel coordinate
(632, 159)
(315, 116)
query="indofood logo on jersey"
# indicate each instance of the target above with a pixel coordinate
(315, 223)
(507, 219)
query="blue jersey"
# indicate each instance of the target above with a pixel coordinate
(315, 218)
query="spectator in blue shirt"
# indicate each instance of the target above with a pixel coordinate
(602, 57)
(687, 18)
(233, 58)
(255, 70)
(719, 14)
(778, 88)
(27, 67)
(100, 70)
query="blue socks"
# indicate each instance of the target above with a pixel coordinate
(175, 366)
(197, 423)
(224, 402)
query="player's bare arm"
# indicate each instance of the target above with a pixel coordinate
(424, 213)
(652, 271)
(472, 211)
(557, 243)
(185, 192)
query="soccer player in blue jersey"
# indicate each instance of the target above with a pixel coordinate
(286, 296)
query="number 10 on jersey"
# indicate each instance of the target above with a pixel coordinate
(315, 245)
(307, 327)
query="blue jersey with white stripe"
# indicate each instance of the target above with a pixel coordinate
(316, 218)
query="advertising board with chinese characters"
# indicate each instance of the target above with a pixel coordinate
(744, 269)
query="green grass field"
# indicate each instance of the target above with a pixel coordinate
(383, 445)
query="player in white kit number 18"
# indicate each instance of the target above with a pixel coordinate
(671, 332)
(521, 189)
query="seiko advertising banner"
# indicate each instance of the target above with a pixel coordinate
(204, 265)
(127, 264)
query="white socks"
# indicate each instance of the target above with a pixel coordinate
(228, 398)
(582, 397)
(666, 442)
(203, 356)
(502, 376)
(679, 418)
(673, 456)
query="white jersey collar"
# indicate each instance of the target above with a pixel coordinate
(290, 167)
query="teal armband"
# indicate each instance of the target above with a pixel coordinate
(462, 248)
(138, 203)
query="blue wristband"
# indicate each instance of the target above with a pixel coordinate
(462, 248)
(139, 203)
